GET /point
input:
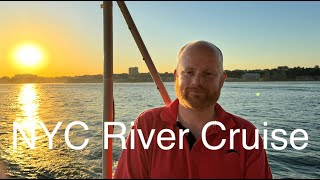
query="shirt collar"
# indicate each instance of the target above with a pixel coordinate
(170, 112)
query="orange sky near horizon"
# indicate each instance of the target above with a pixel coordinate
(70, 35)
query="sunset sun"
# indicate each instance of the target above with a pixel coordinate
(28, 55)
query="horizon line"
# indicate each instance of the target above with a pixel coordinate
(149, 72)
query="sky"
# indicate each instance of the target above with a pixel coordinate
(69, 35)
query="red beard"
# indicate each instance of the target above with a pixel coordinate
(197, 98)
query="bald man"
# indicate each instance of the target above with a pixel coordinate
(195, 126)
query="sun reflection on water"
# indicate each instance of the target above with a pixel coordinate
(29, 104)
(40, 161)
(29, 101)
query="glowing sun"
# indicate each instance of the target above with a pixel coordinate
(28, 55)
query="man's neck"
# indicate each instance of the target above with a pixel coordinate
(195, 120)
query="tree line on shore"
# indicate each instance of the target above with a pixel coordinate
(282, 73)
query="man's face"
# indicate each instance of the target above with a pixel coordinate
(199, 79)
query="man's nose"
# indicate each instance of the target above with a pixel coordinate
(196, 79)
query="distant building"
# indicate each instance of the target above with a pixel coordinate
(5, 79)
(251, 76)
(25, 78)
(317, 78)
(133, 71)
(167, 77)
(283, 68)
(303, 78)
(228, 79)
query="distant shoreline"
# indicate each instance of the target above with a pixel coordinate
(151, 82)
(282, 73)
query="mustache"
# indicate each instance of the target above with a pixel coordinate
(196, 89)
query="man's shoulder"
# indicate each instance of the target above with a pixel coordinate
(241, 123)
(149, 116)
(151, 112)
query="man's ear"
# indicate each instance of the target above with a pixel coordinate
(223, 78)
(175, 74)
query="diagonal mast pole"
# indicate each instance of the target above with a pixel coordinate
(146, 56)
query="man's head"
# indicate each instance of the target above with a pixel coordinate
(199, 75)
